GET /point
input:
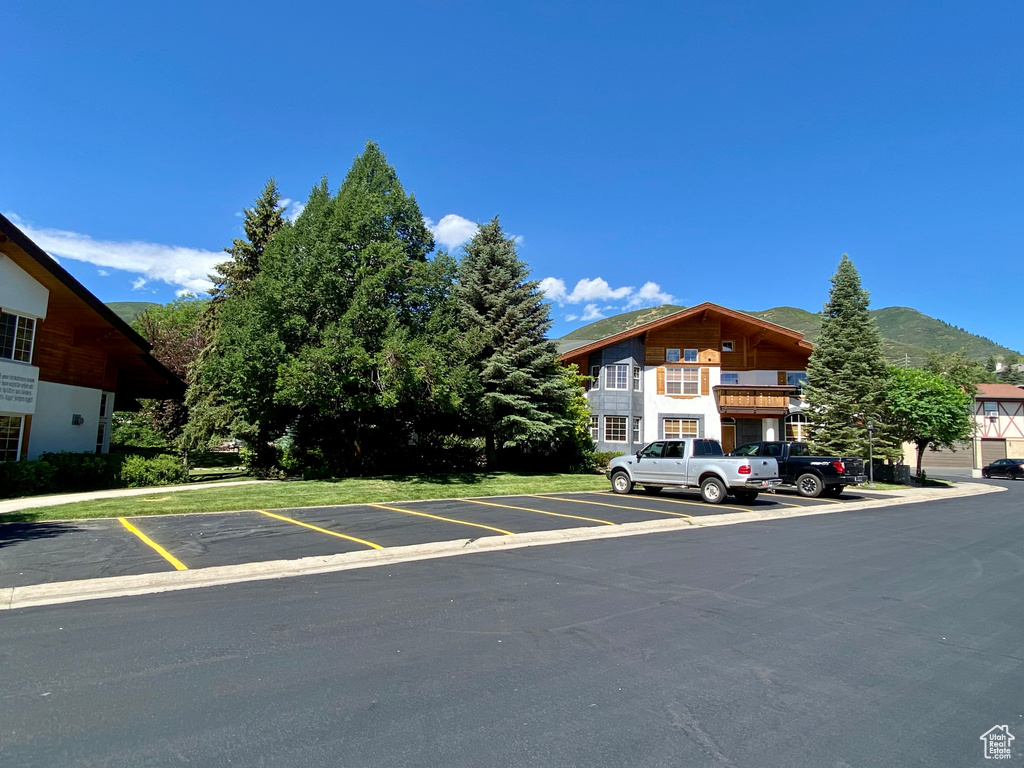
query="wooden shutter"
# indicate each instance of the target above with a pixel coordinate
(705, 381)
(661, 381)
(782, 378)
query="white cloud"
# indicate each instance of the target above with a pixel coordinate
(452, 230)
(102, 273)
(292, 209)
(553, 289)
(138, 283)
(176, 265)
(596, 294)
(649, 295)
(596, 289)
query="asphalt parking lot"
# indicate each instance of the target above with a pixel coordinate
(38, 553)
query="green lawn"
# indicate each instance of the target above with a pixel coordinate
(311, 493)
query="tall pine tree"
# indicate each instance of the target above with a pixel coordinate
(521, 396)
(846, 374)
(261, 222)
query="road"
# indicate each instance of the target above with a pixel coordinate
(878, 637)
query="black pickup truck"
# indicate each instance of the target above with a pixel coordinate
(812, 476)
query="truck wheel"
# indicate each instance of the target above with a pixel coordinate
(809, 486)
(653, 490)
(712, 491)
(621, 483)
(745, 497)
(833, 491)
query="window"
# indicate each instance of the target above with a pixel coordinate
(797, 427)
(100, 434)
(679, 428)
(10, 437)
(730, 378)
(992, 410)
(615, 377)
(675, 451)
(750, 449)
(636, 378)
(636, 430)
(615, 429)
(728, 346)
(103, 405)
(16, 336)
(689, 355)
(595, 374)
(707, 448)
(797, 379)
(595, 429)
(652, 451)
(682, 381)
(671, 355)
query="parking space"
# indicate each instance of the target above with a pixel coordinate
(34, 553)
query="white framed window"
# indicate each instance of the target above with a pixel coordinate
(991, 410)
(672, 355)
(679, 428)
(17, 335)
(730, 378)
(682, 381)
(10, 437)
(637, 377)
(797, 428)
(595, 428)
(595, 375)
(689, 355)
(636, 429)
(616, 377)
(101, 433)
(615, 429)
(728, 346)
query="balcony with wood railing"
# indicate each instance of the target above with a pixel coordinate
(753, 401)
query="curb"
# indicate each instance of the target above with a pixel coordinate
(123, 586)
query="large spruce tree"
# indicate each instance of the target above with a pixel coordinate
(846, 374)
(260, 224)
(520, 396)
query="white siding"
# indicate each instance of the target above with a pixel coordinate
(52, 429)
(19, 293)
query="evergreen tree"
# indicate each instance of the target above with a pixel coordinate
(846, 373)
(339, 339)
(991, 365)
(261, 222)
(521, 396)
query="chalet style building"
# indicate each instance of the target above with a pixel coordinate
(706, 371)
(65, 358)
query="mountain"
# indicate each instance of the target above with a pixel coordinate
(906, 333)
(129, 310)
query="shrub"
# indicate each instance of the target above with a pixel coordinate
(25, 478)
(83, 471)
(602, 458)
(140, 472)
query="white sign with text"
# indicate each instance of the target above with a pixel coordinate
(19, 384)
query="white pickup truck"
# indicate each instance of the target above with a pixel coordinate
(694, 463)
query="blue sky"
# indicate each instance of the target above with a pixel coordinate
(720, 151)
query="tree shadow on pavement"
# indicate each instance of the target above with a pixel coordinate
(12, 531)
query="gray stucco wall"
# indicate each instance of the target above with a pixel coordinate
(618, 402)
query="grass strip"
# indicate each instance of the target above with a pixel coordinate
(290, 494)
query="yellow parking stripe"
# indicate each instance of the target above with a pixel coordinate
(445, 519)
(178, 565)
(539, 511)
(616, 506)
(319, 529)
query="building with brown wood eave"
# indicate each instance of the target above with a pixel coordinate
(706, 371)
(65, 357)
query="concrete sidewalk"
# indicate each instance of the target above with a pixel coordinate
(34, 502)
